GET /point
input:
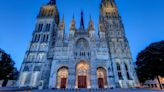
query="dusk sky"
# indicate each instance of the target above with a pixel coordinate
(143, 21)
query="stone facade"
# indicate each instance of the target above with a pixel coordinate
(81, 60)
(154, 83)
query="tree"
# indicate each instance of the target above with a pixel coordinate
(7, 69)
(150, 62)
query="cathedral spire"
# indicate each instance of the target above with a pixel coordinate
(72, 26)
(62, 24)
(91, 25)
(82, 21)
(52, 2)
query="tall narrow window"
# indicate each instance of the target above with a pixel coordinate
(35, 38)
(119, 75)
(127, 72)
(119, 71)
(41, 57)
(38, 38)
(47, 38)
(126, 67)
(40, 27)
(43, 39)
(128, 76)
(47, 27)
(118, 67)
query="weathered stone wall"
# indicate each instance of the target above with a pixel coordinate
(10, 83)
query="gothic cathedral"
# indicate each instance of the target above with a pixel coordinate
(84, 59)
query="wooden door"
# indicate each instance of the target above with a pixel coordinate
(63, 82)
(82, 81)
(101, 82)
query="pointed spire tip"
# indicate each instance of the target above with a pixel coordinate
(52, 2)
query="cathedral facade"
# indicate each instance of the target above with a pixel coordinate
(84, 59)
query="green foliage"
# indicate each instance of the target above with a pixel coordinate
(150, 62)
(7, 69)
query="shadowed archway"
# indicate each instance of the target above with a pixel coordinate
(102, 77)
(62, 77)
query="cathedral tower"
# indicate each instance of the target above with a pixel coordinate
(35, 63)
(111, 25)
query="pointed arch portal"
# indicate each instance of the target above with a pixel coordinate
(82, 75)
(101, 77)
(62, 77)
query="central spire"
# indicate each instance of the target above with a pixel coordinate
(52, 2)
(82, 21)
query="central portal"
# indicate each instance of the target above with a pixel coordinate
(82, 81)
(82, 75)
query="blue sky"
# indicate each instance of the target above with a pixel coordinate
(143, 21)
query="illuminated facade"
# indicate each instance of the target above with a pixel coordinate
(84, 59)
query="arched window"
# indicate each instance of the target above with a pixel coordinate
(40, 27)
(82, 43)
(126, 67)
(118, 67)
(35, 78)
(41, 56)
(127, 72)
(47, 27)
(38, 37)
(24, 79)
(47, 38)
(119, 71)
(35, 38)
(43, 39)
(31, 57)
(26, 69)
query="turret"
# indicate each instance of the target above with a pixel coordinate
(73, 25)
(61, 29)
(101, 32)
(108, 8)
(50, 11)
(91, 25)
(62, 25)
(60, 33)
(72, 28)
(102, 28)
(91, 28)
